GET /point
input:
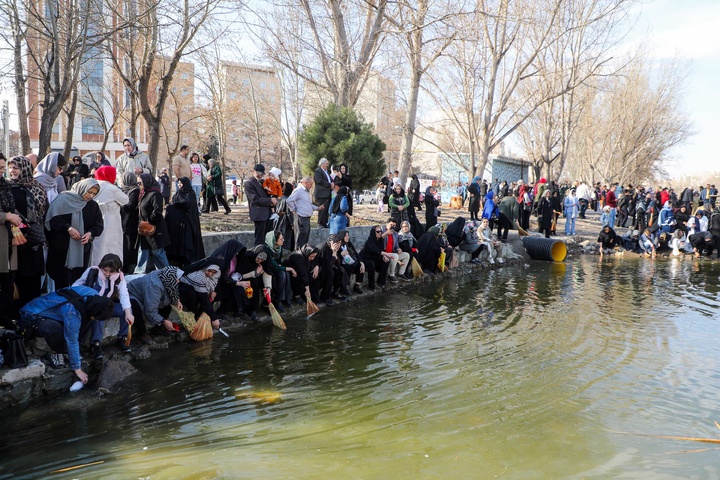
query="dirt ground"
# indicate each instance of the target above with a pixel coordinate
(367, 214)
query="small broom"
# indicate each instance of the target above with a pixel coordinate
(312, 309)
(522, 232)
(128, 339)
(417, 270)
(441, 263)
(18, 236)
(186, 318)
(203, 329)
(274, 314)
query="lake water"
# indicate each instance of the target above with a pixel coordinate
(552, 371)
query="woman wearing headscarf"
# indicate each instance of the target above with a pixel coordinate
(100, 160)
(150, 207)
(335, 281)
(474, 203)
(197, 289)
(281, 274)
(305, 262)
(110, 199)
(8, 250)
(72, 223)
(351, 261)
(77, 171)
(215, 189)
(151, 298)
(133, 160)
(430, 246)
(546, 213)
(183, 224)
(227, 255)
(284, 222)
(431, 207)
(375, 258)
(413, 193)
(31, 204)
(339, 211)
(46, 173)
(399, 204)
(346, 181)
(667, 219)
(408, 244)
(129, 217)
(490, 209)
(245, 275)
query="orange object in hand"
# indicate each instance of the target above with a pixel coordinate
(248, 292)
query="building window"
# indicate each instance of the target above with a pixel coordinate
(91, 126)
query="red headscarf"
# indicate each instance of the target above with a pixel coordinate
(106, 173)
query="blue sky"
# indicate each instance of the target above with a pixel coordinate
(689, 31)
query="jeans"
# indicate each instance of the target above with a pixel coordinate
(613, 215)
(98, 325)
(159, 259)
(197, 189)
(570, 226)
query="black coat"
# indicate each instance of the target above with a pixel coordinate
(58, 238)
(150, 210)
(183, 223)
(322, 186)
(259, 202)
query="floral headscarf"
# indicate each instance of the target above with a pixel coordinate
(169, 277)
(31, 186)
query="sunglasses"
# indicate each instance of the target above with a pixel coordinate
(378, 231)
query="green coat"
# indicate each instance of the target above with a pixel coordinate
(215, 185)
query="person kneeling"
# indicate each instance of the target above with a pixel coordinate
(62, 318)
(197, 289)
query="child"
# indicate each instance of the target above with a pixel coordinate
(272, 185)
(234, 192)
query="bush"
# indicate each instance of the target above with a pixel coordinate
(342, 136)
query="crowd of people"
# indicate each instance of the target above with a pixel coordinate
(85, 244)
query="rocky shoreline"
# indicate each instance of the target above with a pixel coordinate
(39, 382)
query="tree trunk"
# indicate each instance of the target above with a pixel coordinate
(70, 127)
(20, 96)
(153, 142)
(409, 124)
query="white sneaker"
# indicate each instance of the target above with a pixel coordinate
(491, 261)
(500, 260)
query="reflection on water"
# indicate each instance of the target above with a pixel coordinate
(519, 373)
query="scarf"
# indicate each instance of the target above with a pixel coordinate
(149, 184)
(115, 278)
(342, 192)
(45, 174)
(7, 202)
(71, 202)
(135, 149)
(200, 282)
(129, 182)
(36, 192)
(169, 277)
(107, 174)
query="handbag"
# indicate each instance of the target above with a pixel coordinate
(13, 350)
(146, 229)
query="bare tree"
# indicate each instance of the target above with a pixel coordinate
(14, 37)
(477, 83)
(338, 42)
(147, 57)
(586, 35)
(414, 22)
(630, 124)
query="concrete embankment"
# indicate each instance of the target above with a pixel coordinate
(38, 382)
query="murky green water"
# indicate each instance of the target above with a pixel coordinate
(557, 371)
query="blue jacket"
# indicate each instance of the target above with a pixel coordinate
(490, 210)
(56, 307)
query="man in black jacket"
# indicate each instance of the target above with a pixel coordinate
(323, 184)
(260, 203)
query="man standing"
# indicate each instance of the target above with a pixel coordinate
(181, 164)
(302, 208)
(259, 202)
(584, 195)
(322, 191)
(133, 160)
